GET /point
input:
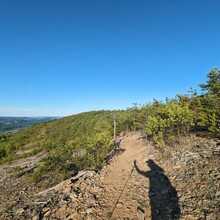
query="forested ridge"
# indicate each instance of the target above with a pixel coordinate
(84, 140)
(13, 124)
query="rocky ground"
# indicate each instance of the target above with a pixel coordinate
(141, 182)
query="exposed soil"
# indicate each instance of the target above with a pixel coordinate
(124, 189)
(141, 182)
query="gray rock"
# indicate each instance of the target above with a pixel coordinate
(19, 211)
(119, 205)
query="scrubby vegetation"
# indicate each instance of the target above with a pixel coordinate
(84, 140)
(193, 112)
(71, 143)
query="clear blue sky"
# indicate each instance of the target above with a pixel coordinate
(61, 57)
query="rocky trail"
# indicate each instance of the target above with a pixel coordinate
(140, 182)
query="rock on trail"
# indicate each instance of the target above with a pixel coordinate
(141, 182)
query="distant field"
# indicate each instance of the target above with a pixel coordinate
(13, 124)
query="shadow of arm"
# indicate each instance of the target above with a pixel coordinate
(140, 171)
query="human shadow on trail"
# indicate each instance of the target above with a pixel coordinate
(163, 196)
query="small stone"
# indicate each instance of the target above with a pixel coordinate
(47, 213)
(211, 217)
(45, 209)
(140, 215)
(19, 211)
(217, 194)
(119, 205)
(89, 210)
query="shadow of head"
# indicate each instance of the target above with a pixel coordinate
(153, 166)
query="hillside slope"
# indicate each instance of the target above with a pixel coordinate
(70, 144)
(178, 182)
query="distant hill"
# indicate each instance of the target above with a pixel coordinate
(13, 124)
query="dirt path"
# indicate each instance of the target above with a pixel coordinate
(125, 191)
(175, 182)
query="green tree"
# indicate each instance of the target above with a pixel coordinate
(211, 101)
(212, 85)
